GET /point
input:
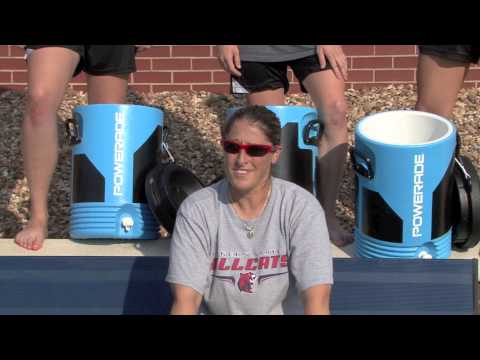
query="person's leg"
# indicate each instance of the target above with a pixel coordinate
(107, 89)
(439, 79)
(267, 97)
(49, 71)
(108, 68)
(328, 94)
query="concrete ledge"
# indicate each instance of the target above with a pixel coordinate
(107, 247)
(160, 247)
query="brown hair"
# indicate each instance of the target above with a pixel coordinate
(259, 116)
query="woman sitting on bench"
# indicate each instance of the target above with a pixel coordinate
(240, 243)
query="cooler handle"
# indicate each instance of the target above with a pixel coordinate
(362, 167)
(312, 132)
(72, 132)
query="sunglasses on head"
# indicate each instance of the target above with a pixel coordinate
(233, 147)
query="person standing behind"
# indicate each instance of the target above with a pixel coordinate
(441, 71)
(50, 68)
(260, 71)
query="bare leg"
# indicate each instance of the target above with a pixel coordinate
(327, 93)
(49, 71)
(267, 97)
(107, 89)
(439, 81)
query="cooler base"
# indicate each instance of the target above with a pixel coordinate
(112, 221)
(367, 247)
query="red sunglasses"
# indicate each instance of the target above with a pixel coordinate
(254, 150)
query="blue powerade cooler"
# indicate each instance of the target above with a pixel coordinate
(404, 162)
(114, 147)
(300, 131)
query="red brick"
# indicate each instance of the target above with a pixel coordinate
(294, 89)
(357, 50)
(5, 76)
(360, 75)
(372, 62)
(143, 64)
(13, 64)
(394, 75)
(79, 87)
(16, 51)
(152, 77)
(3, 50)
(79, 79)
(369, 85)
(216, 88)
(160, 88)
(206, 64)
(171, 64)
(155, 51)
(213, 50)
(192, 77)
(348, 85)
(191, 50)
(406, 62)
(19, 77)
(473, 74)
(469, 85)
(140, 88)
(221, 77)
(394, 49)
(349, 62)
(15, 87)
(290, 75)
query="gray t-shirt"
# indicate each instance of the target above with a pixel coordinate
(275, 53)
(211, 253)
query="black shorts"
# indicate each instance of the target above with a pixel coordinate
(101, 59)
(460, 53)
(261, 76)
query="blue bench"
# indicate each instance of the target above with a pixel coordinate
(135, 285)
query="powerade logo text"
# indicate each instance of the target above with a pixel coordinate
(119, 154)
(418, 176)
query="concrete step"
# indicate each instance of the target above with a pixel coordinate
(159, 247)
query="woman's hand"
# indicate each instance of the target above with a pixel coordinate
(316, 300)
(229, 57)
(336, 57)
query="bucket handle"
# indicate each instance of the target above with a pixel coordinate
(164, 148)
(363, 168)
(169, 154)
(72, 132)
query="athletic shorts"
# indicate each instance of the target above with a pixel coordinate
(460, 53)
(100, 59)
(261, 76)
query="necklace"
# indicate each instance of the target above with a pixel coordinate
(250, 229)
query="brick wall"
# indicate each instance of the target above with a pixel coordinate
(194, 67)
